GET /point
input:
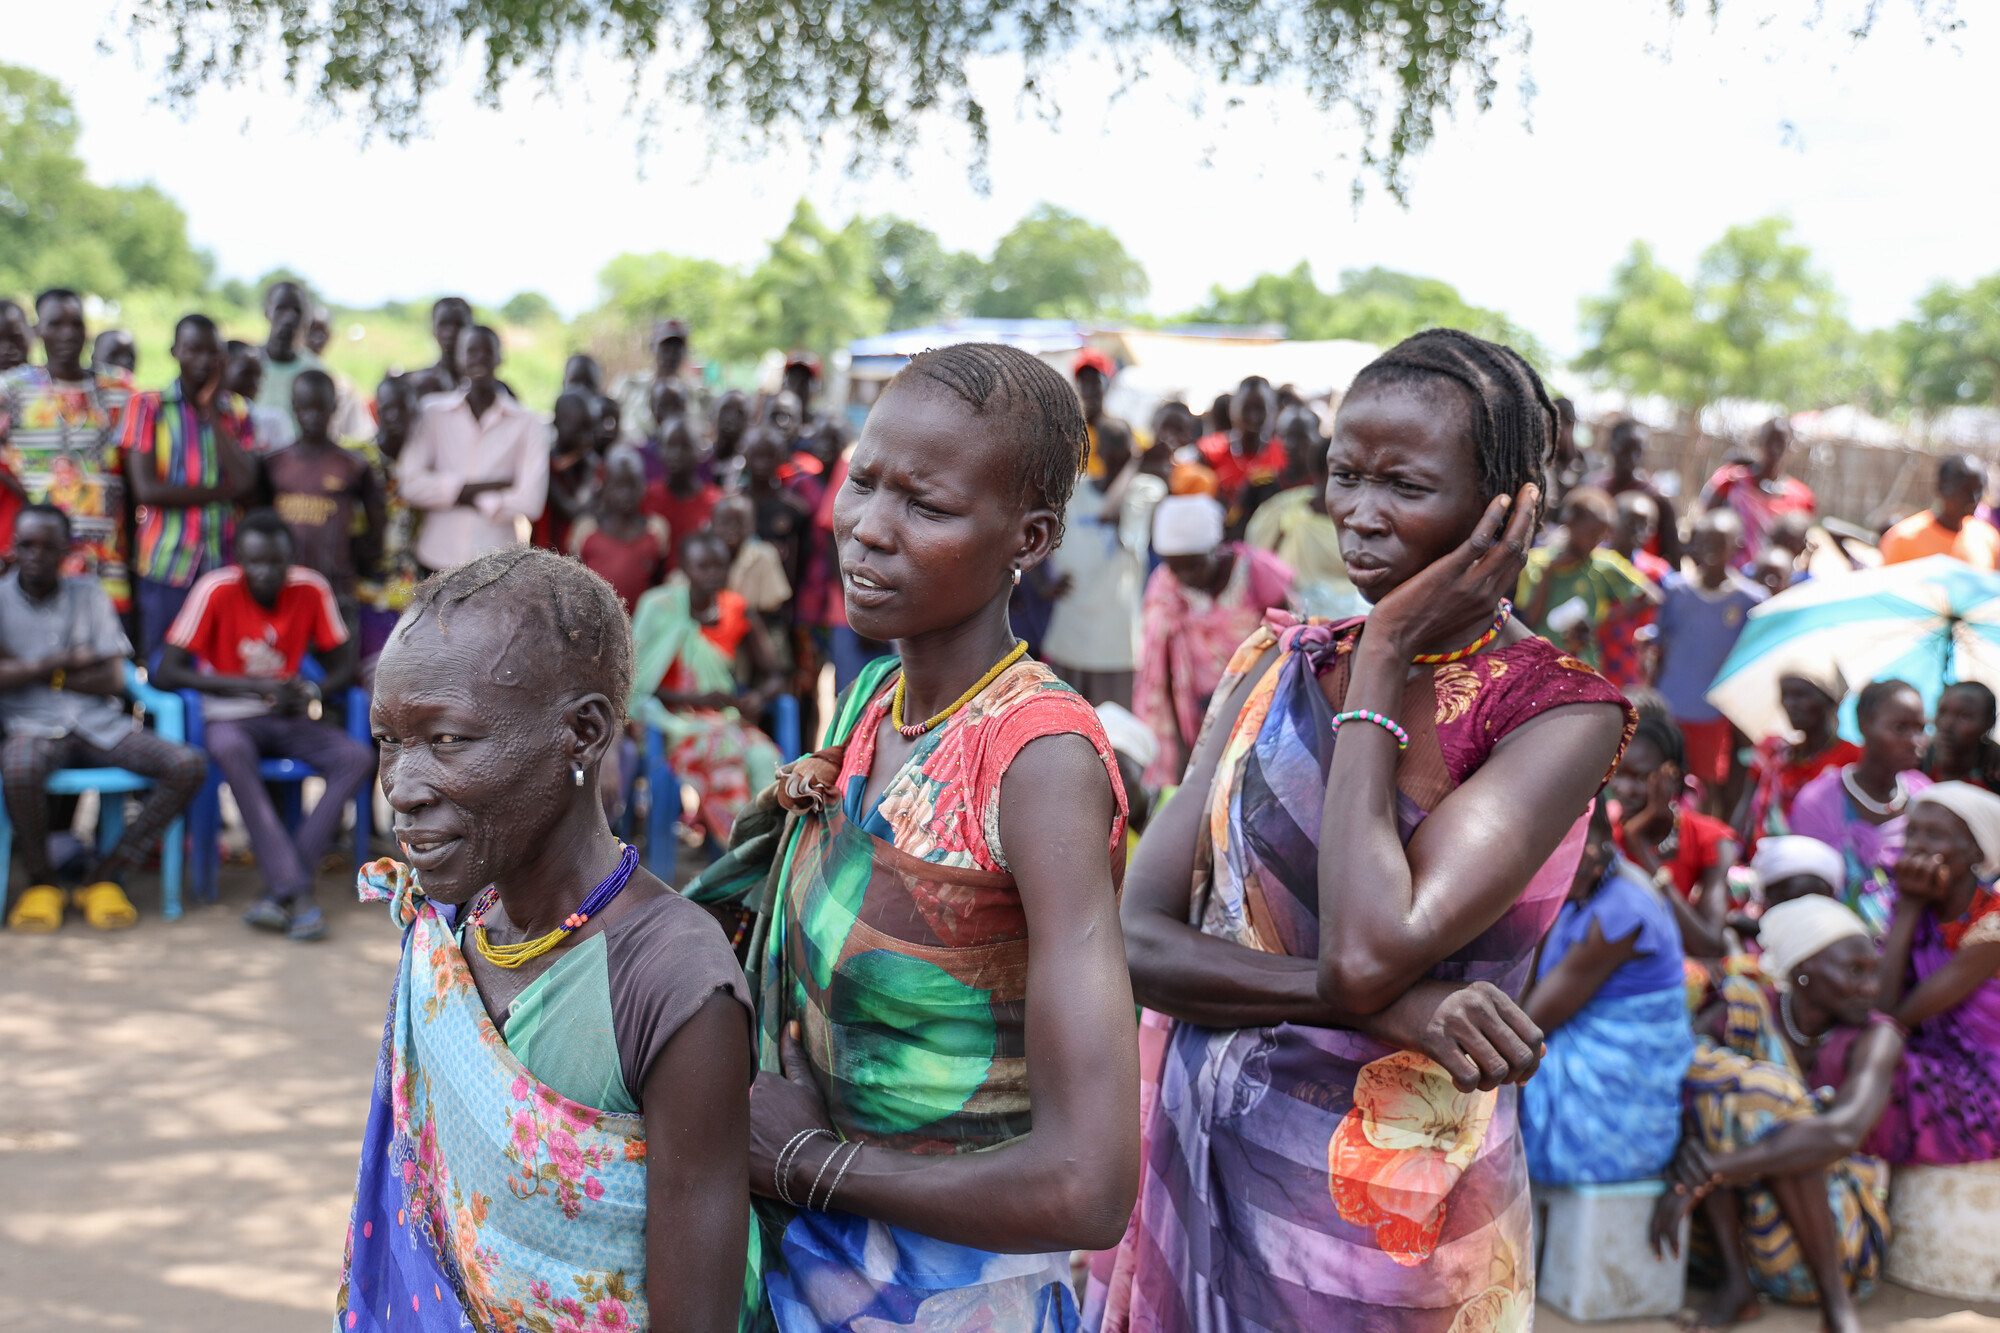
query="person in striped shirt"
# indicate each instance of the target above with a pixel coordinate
(188, 457)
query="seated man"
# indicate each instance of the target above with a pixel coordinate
(62, 672)
(240, 640)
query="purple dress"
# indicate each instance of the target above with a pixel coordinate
(1825, 811)
(1946, 1105)
(1313, 1178)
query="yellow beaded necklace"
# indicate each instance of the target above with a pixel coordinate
(917, 729)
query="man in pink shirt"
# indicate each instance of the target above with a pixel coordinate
(477, 463)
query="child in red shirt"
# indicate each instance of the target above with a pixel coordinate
(616, 541)
(682, 498)
(1659, 831)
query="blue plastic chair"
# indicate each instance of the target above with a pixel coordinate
(205, 815)
(112, 785)
(664, 786)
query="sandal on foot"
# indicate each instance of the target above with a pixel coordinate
(308, 926)
(105, 906)
(38, 911)
(268, 914)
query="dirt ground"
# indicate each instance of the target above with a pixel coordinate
(183, 1111)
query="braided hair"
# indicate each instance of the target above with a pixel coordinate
(590, 623)
(1028, 399)
(1513, 419)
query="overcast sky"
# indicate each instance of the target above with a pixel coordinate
(1639, 128)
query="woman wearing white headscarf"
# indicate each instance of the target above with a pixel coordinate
(1798, 1212)
(1940, 977)
(1203, 600)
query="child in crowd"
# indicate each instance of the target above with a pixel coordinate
(755, 572)
(1611, 997)
(616, 540)
(686, 637)
(1580, 579)
(609, 423)
(1685, 852)
(1621, 647)
(384, 592)
(783, 516)
(243, 376)
(667, 404)
(326, 494)
(732, 419)
(680, 497)
(1700, 620)
(573, 464)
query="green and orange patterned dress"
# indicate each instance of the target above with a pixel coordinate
(900, 946)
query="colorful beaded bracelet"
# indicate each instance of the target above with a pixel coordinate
(1387, 724)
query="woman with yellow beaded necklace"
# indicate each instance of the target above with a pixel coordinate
(561, 1115)
(947, 1106)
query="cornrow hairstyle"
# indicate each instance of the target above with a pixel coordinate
(1513, 420)
(1029, 399)
(1876, 693)
(594, 636)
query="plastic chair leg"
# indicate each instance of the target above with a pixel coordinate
(171, 855)
(110, 820)
(6, 854)
(663, 815)
(786, 709)
(291, 807)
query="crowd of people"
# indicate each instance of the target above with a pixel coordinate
(1089, 678)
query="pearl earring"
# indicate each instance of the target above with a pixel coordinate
(576, 772)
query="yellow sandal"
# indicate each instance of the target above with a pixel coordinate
(38, 911)
(105, 906)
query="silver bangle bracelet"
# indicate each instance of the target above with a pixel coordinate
(785, 1154)
(826, 1204)
(832, 1153)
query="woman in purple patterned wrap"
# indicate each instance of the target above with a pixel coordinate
(1338, 933)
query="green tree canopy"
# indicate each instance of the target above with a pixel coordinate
(922, 281)
(58, 228)
(1377, 305)
(528, 308)
(1759, 321)
(871, 70)
(815, 289)
(1950, 352)
(1056, 265)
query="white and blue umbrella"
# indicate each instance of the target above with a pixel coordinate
(1929, 622)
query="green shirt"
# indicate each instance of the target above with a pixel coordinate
(1605, 582)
